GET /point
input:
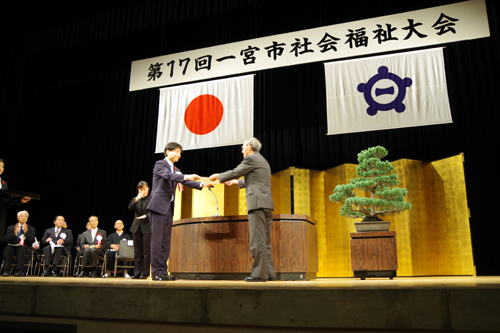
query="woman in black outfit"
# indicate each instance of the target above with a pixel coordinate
(141, 231)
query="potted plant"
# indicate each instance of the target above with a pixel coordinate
(376, 178)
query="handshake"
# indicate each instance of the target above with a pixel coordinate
(210, 181)
(215, 177)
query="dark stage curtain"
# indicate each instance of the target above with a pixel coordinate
(72, 132)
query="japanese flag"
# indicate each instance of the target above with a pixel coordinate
(208, 114)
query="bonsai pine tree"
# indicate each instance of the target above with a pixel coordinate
(376, 178)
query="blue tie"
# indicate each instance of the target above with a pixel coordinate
(20, 231)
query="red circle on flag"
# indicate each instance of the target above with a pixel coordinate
(203, 114)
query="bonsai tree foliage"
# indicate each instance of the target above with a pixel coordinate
(376, 178)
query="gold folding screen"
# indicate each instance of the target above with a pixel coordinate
(433, 237)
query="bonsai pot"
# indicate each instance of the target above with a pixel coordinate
(367, 226)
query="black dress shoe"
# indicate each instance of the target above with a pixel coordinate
(54, 274)
(135, 276)
(164, 277)
(254, 279)
(19, 273)
(45, 273)
(6, 274)
(142, 277)
(82, 274)
(93, 275)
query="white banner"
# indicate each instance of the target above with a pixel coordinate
(209, 114)
(432, 26)
(392, 91)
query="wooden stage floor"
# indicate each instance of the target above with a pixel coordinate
(404, 304)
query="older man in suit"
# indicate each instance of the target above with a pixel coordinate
(256, 174)
(19, 239)
(58, 241)
(161, 207)
(93, 244)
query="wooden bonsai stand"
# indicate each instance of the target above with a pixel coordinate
(374, 254)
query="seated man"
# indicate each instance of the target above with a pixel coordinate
(78, 248)
(93, 244)
(112, 248)
(19, 238)
(58, 242)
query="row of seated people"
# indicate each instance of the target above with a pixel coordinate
(57, 243)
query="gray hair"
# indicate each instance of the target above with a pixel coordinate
(254, 143)
(23, 211)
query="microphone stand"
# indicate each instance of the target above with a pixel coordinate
(216, 201)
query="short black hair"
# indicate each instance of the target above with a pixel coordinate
(171, 146)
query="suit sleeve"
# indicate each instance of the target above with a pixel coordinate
(46, 235)
(188, 183)
(244, 168)
(78, 241)
(164, 172)
(10, 236)
(68, 242)
(132, 204)
(30, 236)
(192, 184)
(109, 241)
(104, 241)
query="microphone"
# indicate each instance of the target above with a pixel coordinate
(217, 202)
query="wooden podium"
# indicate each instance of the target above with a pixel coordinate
(218, 248)
(374, 254)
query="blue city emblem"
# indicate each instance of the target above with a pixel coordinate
(397, 103)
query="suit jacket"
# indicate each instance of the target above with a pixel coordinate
(51, 233)
(78, 242)
(164, 182)
(256, 174)
(114, 238)
(140, 208)
(87, 238)
(12, 238)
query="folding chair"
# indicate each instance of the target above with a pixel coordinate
(29, 271)
(65, 264)
(125, 253)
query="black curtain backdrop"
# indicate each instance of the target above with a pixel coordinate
(72, 132)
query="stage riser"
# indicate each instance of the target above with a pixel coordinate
(271, 304)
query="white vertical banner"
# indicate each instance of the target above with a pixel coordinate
(385, 92)
(208, 114)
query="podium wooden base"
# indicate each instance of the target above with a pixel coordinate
(374, 254)
(217, 248)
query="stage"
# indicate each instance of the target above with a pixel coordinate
(423, 304)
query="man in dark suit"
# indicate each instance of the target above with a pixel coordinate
(256, 174)
(58, 241)
(161, 207)
(112, 247)
(93, 244)
(19, 238)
